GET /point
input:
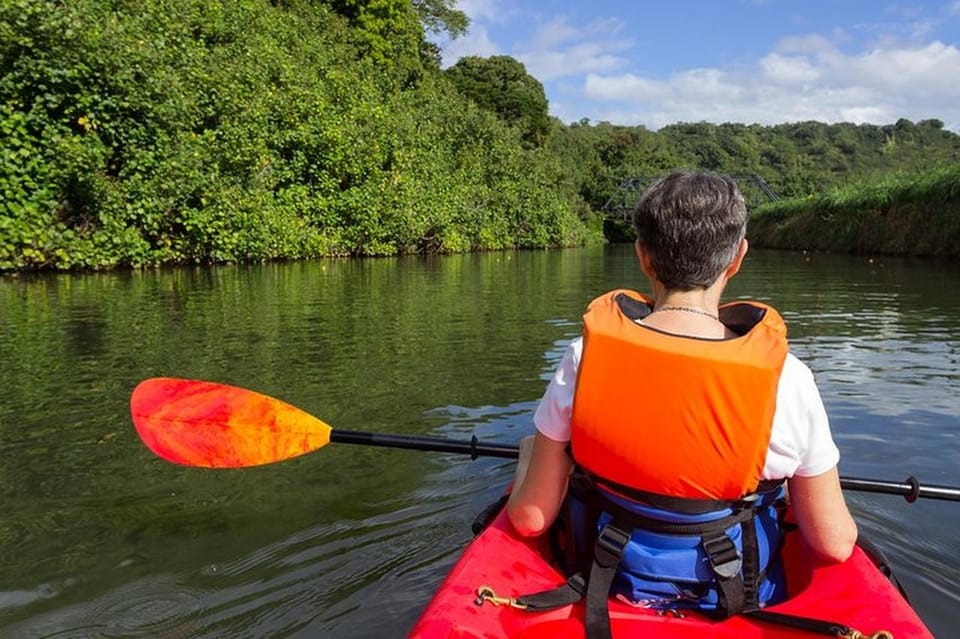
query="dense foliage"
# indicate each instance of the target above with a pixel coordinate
(795, 159)
(898, 213)
(202, 130)
(147, 132)
(502, 85)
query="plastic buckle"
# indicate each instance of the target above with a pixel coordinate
(610, 544)
(724, 557)
(749, 500)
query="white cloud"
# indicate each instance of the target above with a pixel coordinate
(788, 70)
(559, 49)
(555, 32)
(626, 87)
(576, 60)
(929, 70)
(475, 42)
(481, 9)
(802, 79)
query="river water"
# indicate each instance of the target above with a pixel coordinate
(100, 539)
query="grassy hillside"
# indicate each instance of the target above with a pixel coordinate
(915, 214)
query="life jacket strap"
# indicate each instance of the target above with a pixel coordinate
(727, 563)
(583, 481)
(725, 559)
(602, 502)
(606, 557)
(608, 550)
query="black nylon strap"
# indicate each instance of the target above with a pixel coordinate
(688, 506)
(635, 520)
(726, 563)
(751, 564)
(730, 597)
(609, 548)
(596, 614)
(569, 593)
(819, 626)
(685, 505)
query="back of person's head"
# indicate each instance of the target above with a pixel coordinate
(691, 225)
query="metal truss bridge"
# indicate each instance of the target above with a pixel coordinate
(622, 203)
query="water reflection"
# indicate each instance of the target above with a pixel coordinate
(100, 539)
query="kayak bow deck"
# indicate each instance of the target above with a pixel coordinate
(854, 594)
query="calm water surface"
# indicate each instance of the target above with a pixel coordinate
(100, 539)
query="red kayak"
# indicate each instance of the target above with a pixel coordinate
(855, 594)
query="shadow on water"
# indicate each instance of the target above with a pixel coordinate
(100, 539)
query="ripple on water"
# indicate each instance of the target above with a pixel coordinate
(10, 599)
(361, 343)
(921, 554)
(159, 607)
(308, 583)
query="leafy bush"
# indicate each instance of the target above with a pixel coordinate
(138, 133)
(900, 213)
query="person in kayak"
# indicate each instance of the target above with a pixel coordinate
(671, 411)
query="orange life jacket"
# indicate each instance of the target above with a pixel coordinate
(677, 416)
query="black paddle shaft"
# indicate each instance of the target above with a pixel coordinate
(471, 447)
(910, 489)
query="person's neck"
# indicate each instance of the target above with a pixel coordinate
(691, 313)
(706, 299)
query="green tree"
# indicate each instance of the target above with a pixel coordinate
(502, 85)
(438, 16)
(388, 31)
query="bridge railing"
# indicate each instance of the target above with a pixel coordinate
(624, 200)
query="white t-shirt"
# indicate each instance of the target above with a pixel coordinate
(800, 440)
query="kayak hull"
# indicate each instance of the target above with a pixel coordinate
(854, 594)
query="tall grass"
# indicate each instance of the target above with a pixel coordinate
(899, 213)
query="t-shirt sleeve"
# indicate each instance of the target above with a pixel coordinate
(552, 417)
(801, 442)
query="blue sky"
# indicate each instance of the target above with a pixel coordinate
(767, 61)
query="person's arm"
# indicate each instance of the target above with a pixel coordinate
(822, 515)
(536, 499)
(544, 466)
(802, 449)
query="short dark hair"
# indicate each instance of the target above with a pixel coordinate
(691, 224)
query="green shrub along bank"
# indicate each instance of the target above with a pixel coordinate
(144, 132)
(916, 214)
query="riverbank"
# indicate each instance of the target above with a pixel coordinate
(910, 214)
(143, 134)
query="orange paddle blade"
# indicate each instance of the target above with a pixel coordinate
(212, 425)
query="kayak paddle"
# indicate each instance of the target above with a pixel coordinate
(211, 425)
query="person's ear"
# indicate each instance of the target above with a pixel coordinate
(646, 262)
(734, 267)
